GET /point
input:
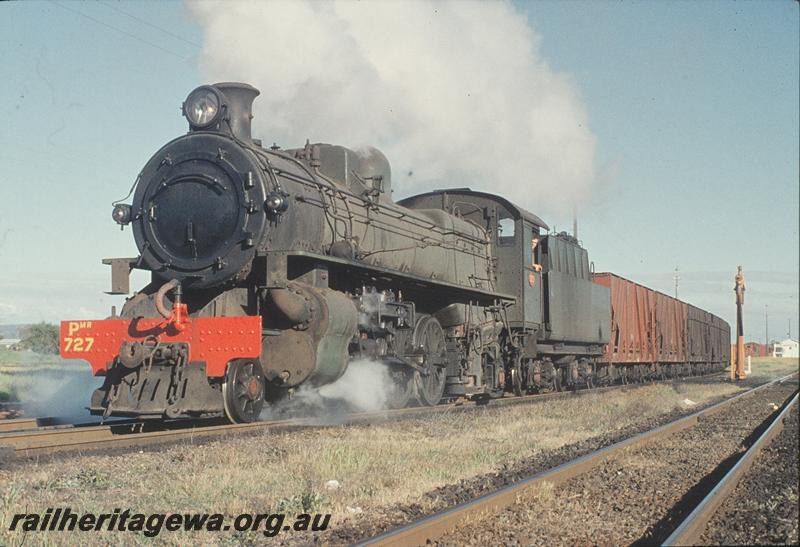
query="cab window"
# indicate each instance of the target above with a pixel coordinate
(505, 231)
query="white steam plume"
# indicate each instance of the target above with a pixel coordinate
(455, 93)
(364, 387)
(59, 392)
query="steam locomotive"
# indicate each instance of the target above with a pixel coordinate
(273, 268)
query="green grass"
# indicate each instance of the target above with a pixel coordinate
(10, 359)
(770, 367)
(8, 393)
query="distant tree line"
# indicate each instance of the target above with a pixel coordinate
(41, 338)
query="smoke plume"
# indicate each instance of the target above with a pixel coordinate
(455, 93)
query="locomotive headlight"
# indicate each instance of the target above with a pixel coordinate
(121, 214)
(202, 107)
(276, 203)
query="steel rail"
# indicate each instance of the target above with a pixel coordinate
(434, 526)
(14, 427)
(65, 439)
(15, 424)
(691, 529)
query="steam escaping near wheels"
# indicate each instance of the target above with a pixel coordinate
(59, 393)
(366, 386)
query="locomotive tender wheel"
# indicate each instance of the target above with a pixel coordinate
(402, 390)
(243, 391)
(429, 337)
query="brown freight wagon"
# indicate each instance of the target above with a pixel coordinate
(650, 328)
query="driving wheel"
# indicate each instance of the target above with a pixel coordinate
(243, 391)
(402, 388)
(429, 338)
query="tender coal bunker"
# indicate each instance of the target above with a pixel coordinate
(195, 216)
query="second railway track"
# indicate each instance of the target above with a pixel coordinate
(638, 490)
(695, 528)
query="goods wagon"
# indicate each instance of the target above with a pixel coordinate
(652, 329)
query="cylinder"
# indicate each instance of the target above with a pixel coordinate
(317, 350)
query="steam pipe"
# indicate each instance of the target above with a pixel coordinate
(162, 292)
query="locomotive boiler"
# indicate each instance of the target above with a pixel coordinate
(272, 268)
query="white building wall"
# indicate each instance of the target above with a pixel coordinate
(787, 348)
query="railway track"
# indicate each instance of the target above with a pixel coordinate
(690, 531)
(42, 423)
(16, 424)
(450, 526)
(18, 442)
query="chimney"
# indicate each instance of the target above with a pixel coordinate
(239, 98)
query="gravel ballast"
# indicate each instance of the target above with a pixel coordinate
(638, 496)
(763, 508)
(385, 518)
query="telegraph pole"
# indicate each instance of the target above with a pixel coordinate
(737, 373)
(766, 327)
(677, 278)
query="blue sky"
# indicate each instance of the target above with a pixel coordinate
(694, 107)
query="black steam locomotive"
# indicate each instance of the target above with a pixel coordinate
(274, 268)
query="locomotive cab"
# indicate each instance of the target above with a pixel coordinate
(513, 230)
